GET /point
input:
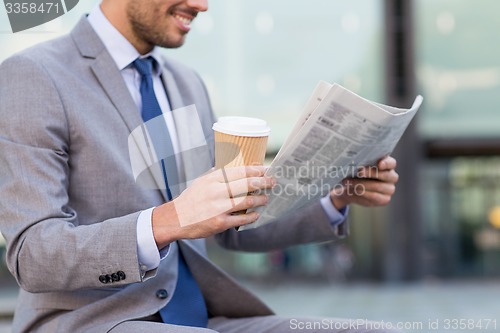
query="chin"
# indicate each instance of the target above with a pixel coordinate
(172, 44)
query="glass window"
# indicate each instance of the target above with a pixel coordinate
(462, 216)
(458, 67)
(264, 58)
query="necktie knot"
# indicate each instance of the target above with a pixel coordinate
(150, 107)
(144, 66)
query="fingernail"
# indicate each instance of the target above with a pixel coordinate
(361, 173)
(273, 182)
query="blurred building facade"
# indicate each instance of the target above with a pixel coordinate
(263, 59)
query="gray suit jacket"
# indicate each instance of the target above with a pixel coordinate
(69, 202)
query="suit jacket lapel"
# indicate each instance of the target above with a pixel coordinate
(112, 83)
(175, 100)
(173, 94)
(194, 152)
(236, 301)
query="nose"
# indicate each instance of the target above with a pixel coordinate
(199, 5)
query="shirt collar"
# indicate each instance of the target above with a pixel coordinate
(121, 50)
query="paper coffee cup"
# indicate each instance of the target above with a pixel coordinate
(240, 141)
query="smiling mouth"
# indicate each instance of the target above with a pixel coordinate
(184, 22)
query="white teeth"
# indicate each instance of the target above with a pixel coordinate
(184, 20)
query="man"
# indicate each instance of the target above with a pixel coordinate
(93, 249)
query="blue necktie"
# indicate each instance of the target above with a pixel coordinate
(187, 306)
(154, 122)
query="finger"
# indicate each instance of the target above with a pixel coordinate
(225, 175)
(373, 172)
(218, 224)
(233, 221)
(368, 194)
(360, 186)
(245, 185)
(371, 199)
(387, 163)
(249, 201)
(390, 176)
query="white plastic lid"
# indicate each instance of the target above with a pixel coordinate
(242, 126)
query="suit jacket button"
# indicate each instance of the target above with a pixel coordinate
(115, 277)
(103, 279)
(121, 275)
(162, 294)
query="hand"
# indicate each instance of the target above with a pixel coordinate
(205, 207)
(374, 186)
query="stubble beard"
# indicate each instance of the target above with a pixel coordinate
(146, 27)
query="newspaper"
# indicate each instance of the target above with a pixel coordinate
(337, 133)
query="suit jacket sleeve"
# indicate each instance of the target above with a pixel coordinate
(306, 225)
(48, 246)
